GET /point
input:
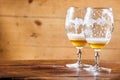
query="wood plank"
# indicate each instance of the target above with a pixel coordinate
(51, 8)
(54, 53)
(50, 32)
(45, 38)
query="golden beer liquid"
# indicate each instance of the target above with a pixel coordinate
(79, 43)
(97, 45)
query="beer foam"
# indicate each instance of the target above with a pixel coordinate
(97, 40)
(76, 36)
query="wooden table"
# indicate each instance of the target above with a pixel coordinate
(54, 70)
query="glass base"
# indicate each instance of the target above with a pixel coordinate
(98, 69)
(77, 65)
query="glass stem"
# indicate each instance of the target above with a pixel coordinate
(79, 54)
(97, 58)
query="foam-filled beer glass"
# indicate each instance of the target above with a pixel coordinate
(98, 28)
(74, 29)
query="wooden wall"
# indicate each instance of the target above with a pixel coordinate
(34, 29)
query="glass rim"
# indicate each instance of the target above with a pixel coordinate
(100, 7)
(90, 7)
(77, 7)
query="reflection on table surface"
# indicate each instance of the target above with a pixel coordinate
(54, 70)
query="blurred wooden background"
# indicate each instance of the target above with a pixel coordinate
(34, 29)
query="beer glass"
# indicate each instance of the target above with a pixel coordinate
(74, 29)
(98, 28)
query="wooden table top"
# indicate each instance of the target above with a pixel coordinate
(54, 70)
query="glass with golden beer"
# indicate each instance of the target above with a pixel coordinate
(98, 28)
(74, 28)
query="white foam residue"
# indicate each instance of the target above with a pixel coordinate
(76, 36)
(69, 16)
(98, 40)
(109, 13)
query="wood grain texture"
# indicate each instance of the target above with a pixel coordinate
(51, 8)
(34, 29)
(54, 70)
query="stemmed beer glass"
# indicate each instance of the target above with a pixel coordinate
(74, 28)
(98, 28)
